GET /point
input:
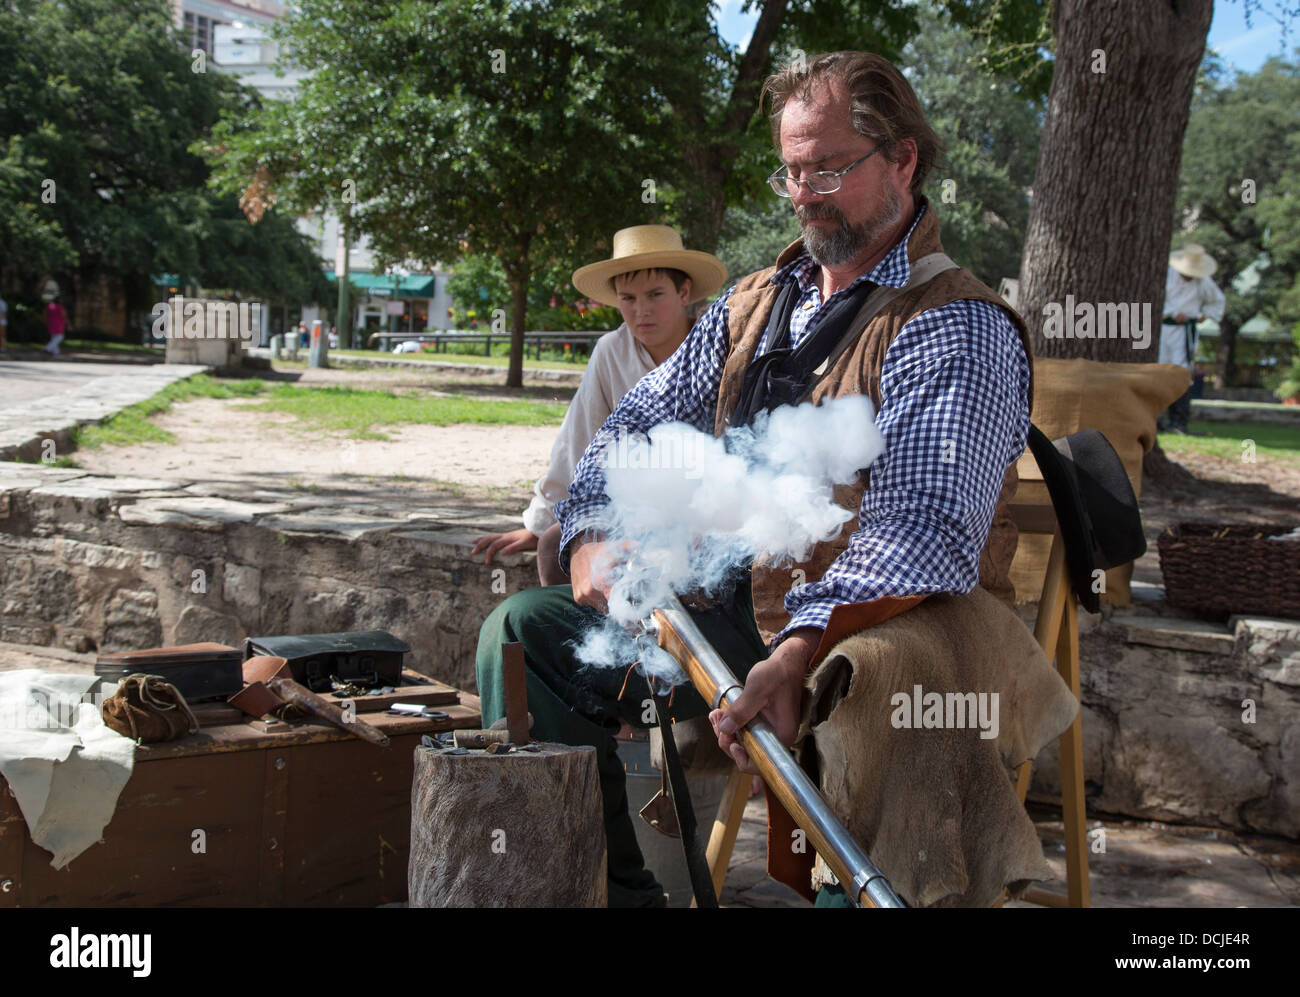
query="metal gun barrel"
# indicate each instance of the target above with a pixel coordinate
(680, 637)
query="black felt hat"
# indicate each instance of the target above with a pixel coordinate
(1094, 504)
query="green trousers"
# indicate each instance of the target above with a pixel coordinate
(576, 704)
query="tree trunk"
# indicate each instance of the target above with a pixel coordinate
(1103, 204)
(514, 830)
(713, 164)
(703, 224)
(1166, 475)
(1226, 358)
(517, 276)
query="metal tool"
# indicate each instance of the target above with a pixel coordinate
(418, 710)
(479, 738)
(513, 671)
(680, 637)
(269, 687)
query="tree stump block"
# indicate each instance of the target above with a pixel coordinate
(524, 829)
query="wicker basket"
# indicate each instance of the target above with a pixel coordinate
(1226, 568)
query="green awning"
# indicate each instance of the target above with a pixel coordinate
(1256, 329)
(415, 286)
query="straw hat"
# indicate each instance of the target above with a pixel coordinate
(1193, 261)
(643, 247)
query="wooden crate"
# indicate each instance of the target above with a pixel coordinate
(293, 815)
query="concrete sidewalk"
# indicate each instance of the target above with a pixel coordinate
(49, 399)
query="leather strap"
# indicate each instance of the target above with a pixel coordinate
(697, 864)
(924, 269)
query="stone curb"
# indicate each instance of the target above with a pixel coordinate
(464, 368)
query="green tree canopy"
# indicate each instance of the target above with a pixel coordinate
(511, 130)
(1236, 192)
(990, 126)
(531, 131)
(101, 106)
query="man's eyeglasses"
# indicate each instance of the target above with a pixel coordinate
(821, 182)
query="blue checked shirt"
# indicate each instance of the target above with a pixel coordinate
(954, 414)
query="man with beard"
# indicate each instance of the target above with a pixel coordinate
(865, 303)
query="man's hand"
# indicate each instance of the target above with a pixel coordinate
(504, 543)
(774, 689)
(589, 566)
(1180, 317)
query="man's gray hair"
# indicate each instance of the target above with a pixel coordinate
(885, 107)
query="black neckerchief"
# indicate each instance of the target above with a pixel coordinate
(781, 376)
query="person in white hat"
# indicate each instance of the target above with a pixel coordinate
(651, 279)
(1190, 297)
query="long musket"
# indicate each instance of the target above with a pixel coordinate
(680, 637)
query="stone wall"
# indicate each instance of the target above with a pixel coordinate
(1189, 721)
(109, 564)
(1183, 721)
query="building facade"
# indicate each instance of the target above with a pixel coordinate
(235, 37)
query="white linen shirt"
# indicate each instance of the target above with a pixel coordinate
(617, 362)
(1197, 296)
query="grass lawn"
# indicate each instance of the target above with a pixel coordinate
(132, 424)
(577, 365)
(1229, 440)
(360, 411)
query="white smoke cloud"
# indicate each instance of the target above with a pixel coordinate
(689, 508)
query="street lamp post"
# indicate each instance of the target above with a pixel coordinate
(342, 270)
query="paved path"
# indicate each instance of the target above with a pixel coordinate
(42, 399)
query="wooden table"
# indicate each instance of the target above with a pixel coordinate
(288, 815)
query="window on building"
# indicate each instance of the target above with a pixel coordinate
(199, 30)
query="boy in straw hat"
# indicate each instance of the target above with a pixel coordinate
(1190, 297)
(651, 279)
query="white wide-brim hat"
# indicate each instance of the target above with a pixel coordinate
(1193, 261)
(644, 247)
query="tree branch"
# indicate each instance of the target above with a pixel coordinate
(744, 92)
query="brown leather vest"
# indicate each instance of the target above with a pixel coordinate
(857, 371)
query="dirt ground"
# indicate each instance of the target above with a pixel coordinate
(219, 441)
(1205, 488)
(496, 465)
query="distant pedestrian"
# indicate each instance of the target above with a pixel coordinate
(56, 322)
(1190, 297)
(4, 323)
(304, 340)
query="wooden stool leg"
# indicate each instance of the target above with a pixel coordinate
(726, 827)
(1057, 632)
(1071, 744)
(1023, 776)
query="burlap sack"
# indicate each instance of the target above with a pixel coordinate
(1122, 400)
(148, 709)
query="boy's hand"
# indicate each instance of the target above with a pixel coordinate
(504, 543)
